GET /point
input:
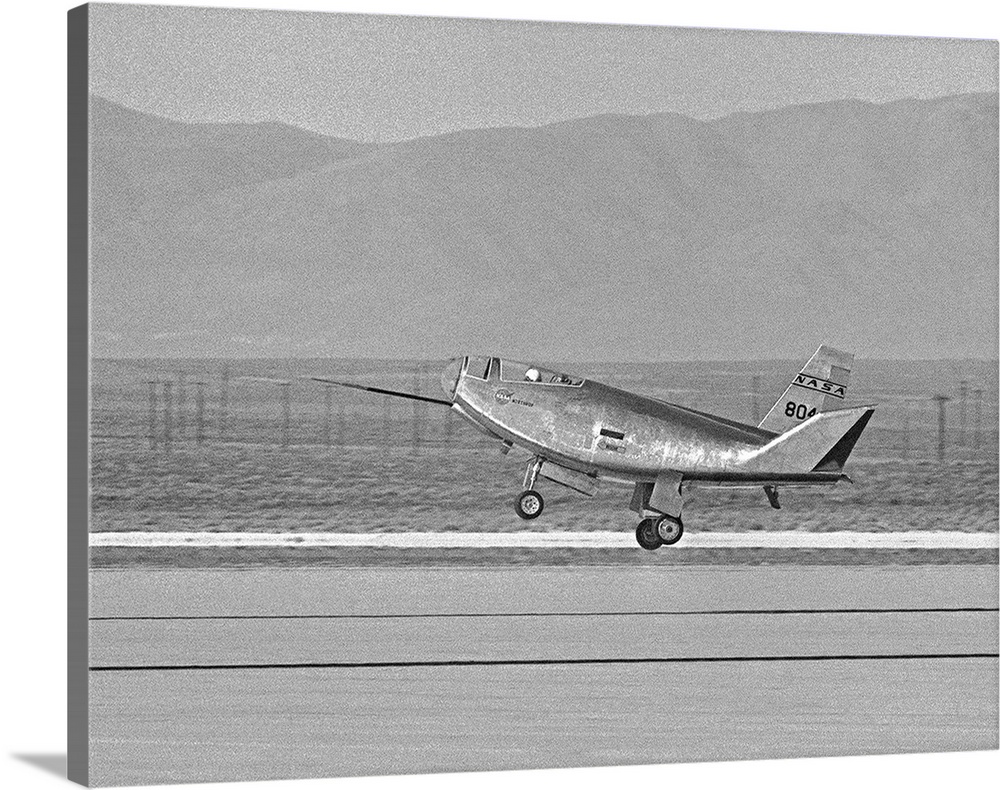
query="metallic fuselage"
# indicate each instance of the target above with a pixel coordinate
(600, 430)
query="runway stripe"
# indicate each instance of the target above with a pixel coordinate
(439, 615)
(536, 662)
(548, 540)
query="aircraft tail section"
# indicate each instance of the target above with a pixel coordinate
(819, 387)
(820, 444)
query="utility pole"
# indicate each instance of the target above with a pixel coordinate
(181, 407)
(152, 414)
(963, 388)
(224, 403)
(979, 419)
(906, 430)
(448, 427)
(941, 401)
(200, 412)
(286, 412)
(755, 399)
(327, 413)
(168, 416)
(417, 411)
(386, 438)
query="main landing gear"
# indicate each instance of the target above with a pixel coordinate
(530, 504)
(654, 531)
(659, 531)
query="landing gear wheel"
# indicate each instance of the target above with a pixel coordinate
(669, 530)
(646, 535)
(529, 505)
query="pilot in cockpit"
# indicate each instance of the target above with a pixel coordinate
(532, 374)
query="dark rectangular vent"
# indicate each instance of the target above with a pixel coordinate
(612, 434)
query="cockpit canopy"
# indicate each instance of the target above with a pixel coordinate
(521, 371)
(511, 371)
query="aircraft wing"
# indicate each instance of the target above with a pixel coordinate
(380, 391)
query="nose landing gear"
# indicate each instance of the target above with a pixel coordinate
(530, 504)
(659, 531)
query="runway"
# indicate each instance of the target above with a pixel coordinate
(263, 674)
(915, 539)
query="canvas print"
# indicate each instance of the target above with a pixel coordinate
(462, 395)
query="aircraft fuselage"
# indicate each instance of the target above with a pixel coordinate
(601, 430)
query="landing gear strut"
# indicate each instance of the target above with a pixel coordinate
(659, 531)
(530, 504)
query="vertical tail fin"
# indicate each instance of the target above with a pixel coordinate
(820, 386)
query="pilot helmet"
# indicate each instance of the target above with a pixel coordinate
(532, 374)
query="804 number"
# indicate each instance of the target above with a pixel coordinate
(799, 410)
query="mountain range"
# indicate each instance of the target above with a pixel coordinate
(615, 237)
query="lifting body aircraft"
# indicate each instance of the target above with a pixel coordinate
(579, 431)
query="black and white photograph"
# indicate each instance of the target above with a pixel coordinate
(462, 395)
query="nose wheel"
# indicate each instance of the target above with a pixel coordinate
(655, 532)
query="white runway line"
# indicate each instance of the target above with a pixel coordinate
(550, 540)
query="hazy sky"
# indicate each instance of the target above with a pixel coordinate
(384, 78)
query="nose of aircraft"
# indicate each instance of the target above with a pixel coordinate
(449, 376)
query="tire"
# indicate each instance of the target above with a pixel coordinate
(669, 530)
(529, 505)
(645, 535)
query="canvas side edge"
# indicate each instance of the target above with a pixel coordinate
(78, 395)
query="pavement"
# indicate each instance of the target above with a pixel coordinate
(212, 674)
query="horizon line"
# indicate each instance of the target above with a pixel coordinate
(706, 120)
